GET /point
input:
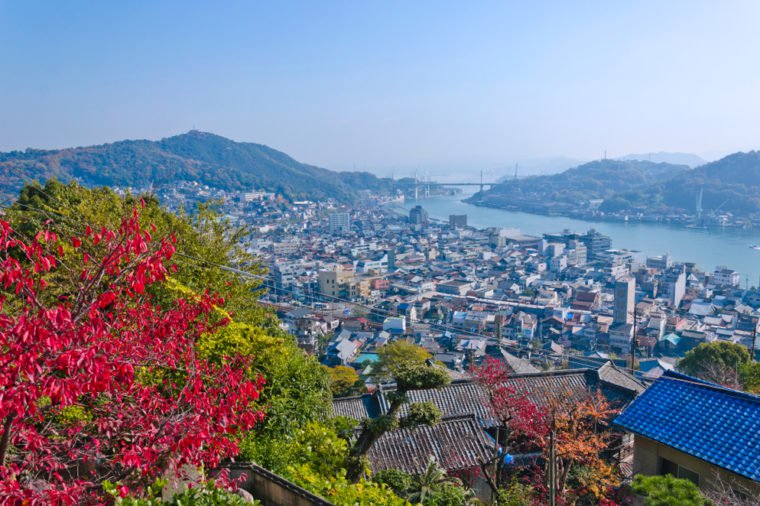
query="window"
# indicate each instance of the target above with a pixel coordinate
(670, 467)
(688, 475)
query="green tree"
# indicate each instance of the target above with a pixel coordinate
(668, 491)
(434, 482)
(516, 493)
(421, 413)
(206, 242)
(344, 381)
(720, 362)
(411, 377)
(397, 480)
(342, 492)
(750, 377)
(399, 355)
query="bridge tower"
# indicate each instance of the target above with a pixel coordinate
(481, 181)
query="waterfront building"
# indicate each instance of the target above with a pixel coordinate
(418, 216)
(596, 243)
(457, 220)
(723, 276)
(660, 262)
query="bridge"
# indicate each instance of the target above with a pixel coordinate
(425, 185)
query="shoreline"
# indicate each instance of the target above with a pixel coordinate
(612, 219)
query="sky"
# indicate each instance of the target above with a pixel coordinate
(386, 85)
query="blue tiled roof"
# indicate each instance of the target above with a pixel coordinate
(715, 424)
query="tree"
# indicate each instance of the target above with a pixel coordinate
(668, 491)
(434, 481)
(205, 241)
(750, 376)
(399, 355)
(573, 424)
(421, 413)
(297, 389)
(100, 383)
(721, 362)
(410, 377)
(344, 381)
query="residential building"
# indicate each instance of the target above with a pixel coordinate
(674, 285)
(338, 283)
(339, 222)
(625, 300)
(698, 431)
(725, 277)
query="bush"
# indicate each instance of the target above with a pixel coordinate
(668, 491)
(395, 479)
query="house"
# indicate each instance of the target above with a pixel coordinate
(696, 430)
(458, 444)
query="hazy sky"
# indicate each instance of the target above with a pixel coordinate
(387, 84)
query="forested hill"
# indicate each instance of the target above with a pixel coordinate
(598, 180)
(194, 156)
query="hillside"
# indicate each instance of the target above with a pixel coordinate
(197, 156)
(564, 192)
(731, 184)
(689, 159)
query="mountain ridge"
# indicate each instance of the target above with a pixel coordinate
(206, 157)
(730, 184)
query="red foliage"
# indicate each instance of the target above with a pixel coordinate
(100, 383)
(509, 406)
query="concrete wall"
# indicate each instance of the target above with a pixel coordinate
(271, 489)
(646, 455)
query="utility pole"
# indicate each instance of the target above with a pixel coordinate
(754, 338)
(552, 469)
(634, 341)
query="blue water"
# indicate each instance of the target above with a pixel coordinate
(372, 357)
(708, 248)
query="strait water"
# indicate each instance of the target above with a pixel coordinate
(708, 248)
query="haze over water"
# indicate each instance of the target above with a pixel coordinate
(708, 248)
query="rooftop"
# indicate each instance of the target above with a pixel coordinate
(705, 420)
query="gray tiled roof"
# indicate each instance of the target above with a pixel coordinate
(467, 397)
(456, 444)
(612, 374)
(460, 398)
(357, 408)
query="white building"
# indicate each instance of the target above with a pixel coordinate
(340, 222)
(723, 276)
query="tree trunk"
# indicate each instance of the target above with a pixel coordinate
(6, 439)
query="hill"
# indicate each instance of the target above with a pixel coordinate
(731, 184)
(565, 192)
(689, 159)
(195, 156)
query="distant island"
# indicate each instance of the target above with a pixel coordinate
(194, 156)
(721, 193)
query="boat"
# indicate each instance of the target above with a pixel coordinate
(755, 247)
